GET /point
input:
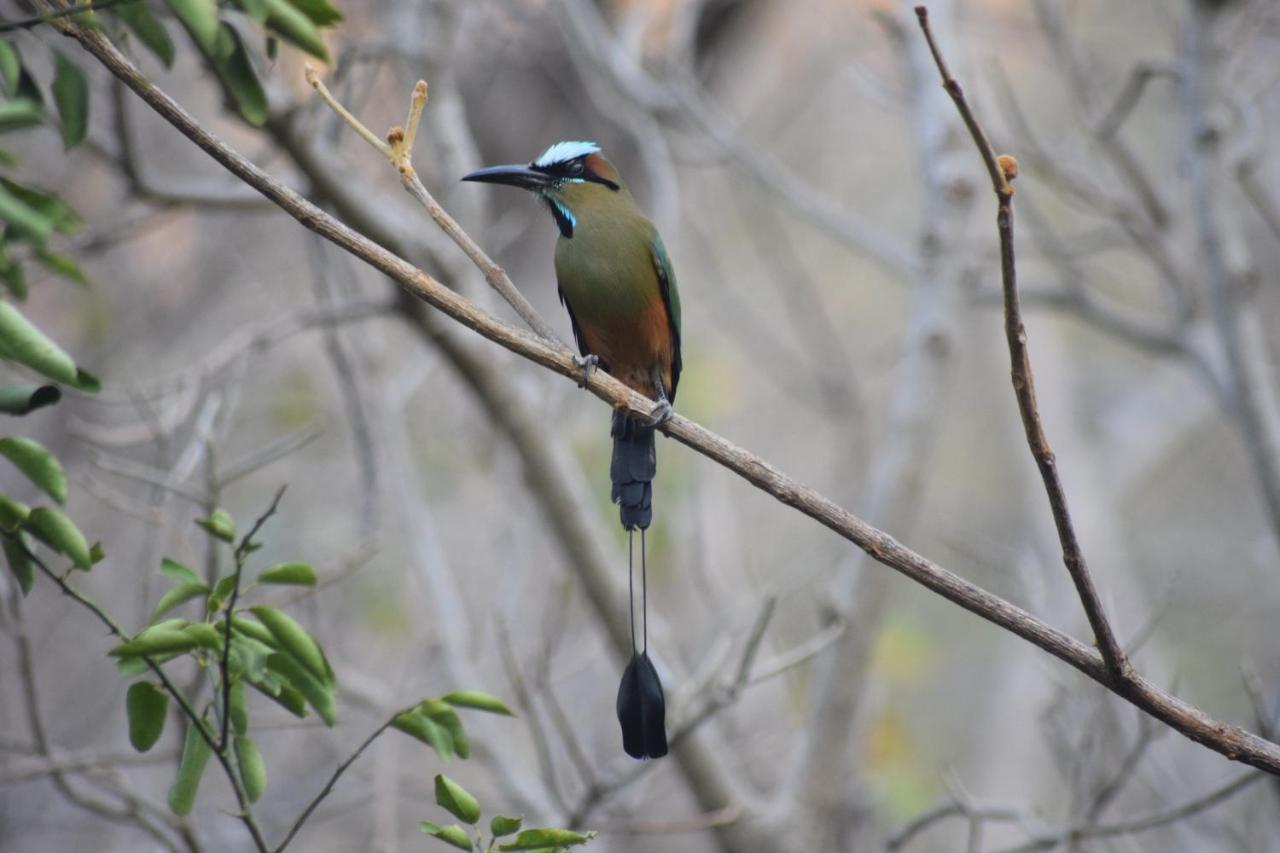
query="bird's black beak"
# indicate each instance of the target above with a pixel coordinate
(515, 176)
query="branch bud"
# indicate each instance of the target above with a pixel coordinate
(1008, 166)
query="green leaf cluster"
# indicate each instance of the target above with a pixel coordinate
(240, 647)
(436, 723)
(30, 216)
(22, 526)
(464, 806)
(220, 34)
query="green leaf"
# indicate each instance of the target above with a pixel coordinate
(12, 273)
(159, 639)
(13, 513)
(502, 825)
(200, 17)
(62, 265)
(293, 25)
(253, 771)
(317, 694)
(453, 835)
(252, 629)
(420, 727)
(15, 553)
(282, 694)
(235, 70)
(221, 591)
(238, 707)
(298, 574)
(206, 636)
(178, 572)
(71, 96)
(255, 9)
(22, 342)
(321, 12)
(52, 527)
(10, 66)
(145, 706)
(536, 839)
(456, 800)
(477, 701)
(25, 399)
(179, 594)
(40, 466)
(195, 756)
(64, 219)
(147, 28)
(294, 639)
(20, 112)
(129, 667)
(219, 525)
(87, 19)
(26, 220)
(86, 381)
(443, 715)
(248, 657)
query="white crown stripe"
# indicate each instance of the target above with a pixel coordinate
(563, 152)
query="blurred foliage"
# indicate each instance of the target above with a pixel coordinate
(32, 217)
(234, 647)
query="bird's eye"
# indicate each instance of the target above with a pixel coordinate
(575, 168)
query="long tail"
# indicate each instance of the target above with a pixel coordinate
(641, 704)
(642, 707)
(632, 470)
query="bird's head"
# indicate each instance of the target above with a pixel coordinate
(571, 177)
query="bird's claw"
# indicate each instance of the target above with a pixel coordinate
(586, 364)
(661, 413)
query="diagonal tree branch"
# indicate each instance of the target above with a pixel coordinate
(1003, 170)
(1232, 741)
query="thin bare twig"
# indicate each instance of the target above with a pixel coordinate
(242, 552)
(1142, 823)
(328, 786)
(541, 743)
(1002, 171)
(951, 809)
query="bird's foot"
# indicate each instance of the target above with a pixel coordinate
(586, 364)
(661, 413)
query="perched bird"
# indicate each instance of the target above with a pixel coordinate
(616, 282)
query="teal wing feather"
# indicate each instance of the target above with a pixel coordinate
(671, 299)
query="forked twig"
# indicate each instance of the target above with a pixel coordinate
(398, 149)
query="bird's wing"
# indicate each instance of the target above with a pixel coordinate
(671, 300)
(573, 323)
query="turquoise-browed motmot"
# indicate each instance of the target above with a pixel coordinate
(616, 282)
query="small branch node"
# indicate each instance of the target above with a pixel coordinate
(1008, 166)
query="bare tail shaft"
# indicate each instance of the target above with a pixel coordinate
(632, 470)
